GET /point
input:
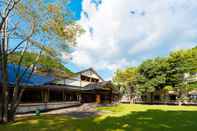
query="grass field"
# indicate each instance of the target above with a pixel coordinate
(117, 118)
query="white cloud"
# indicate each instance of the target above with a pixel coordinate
(120, 33)
(184, 46)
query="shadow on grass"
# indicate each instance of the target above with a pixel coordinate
(150, 120)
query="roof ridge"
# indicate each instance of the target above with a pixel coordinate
(92, 70)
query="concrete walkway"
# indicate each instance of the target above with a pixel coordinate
(82, 111)
(85, 110)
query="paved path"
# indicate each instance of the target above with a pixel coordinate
(85, 110)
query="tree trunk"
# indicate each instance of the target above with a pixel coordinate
(1, 94)
(11, 114)
(146, 97)
(12, 108)
(5, 95)
(151, 97)
(14, 105)
(131, 100)
(18, 90)
(1, 107)
(131, 94)
(4, 46)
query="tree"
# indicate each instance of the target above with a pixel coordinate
(155, 77)
(125, 80)
(181, 62)
(166, 90)
(152, 77)
(44, 65)
(39, 26)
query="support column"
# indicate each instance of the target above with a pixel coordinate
(46, 98)
(111, 98)
(63, 95)
(48, 95)
(42, 96)
(70, 98)
(79, 98)
(98, 99)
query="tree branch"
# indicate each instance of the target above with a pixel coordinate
(32, 66)
(17, 73)
(13, 29)
(25, 39)
(19, 98)
(18, 91)
(7, 12)
(1, 15)
(46, 49)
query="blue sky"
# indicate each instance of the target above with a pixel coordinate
(124, 33)
(76, 7)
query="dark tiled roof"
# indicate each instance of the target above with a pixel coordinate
(66, 87)
(102, 86)
(27, 79)
(97, 86)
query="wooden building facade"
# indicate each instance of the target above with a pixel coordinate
(48, 92)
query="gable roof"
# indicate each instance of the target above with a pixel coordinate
(100, 86)
(91, 69)
(97, 86)
(27, 79)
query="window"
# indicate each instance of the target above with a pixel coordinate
(85, 78)
(95, 80)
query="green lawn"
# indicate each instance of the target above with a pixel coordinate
(117, 118)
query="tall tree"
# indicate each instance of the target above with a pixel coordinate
(35, 25)
(152, 76)
(181, 62)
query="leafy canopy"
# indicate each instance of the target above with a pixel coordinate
(45, 64)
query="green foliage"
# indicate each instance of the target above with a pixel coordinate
(193, 85)
(153, 74)
(52, 31)
(162, 74)
(125, 76)
(124, 80)
(45, 63)
(51, 24)
(168, 88)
